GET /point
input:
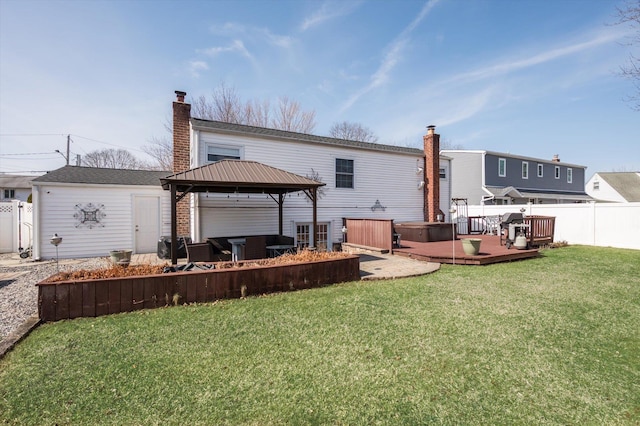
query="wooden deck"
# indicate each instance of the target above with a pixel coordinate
(443, 251)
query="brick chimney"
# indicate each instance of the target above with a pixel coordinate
(181, 155)
(431, 175)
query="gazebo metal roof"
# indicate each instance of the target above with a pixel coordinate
(229, 176)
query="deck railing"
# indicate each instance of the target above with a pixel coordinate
(541, 229)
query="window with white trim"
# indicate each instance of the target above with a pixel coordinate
(443, 172)
(9, 194)
(540, 170)
(221, 152)
(557, 172)
(344, 173)
(502, 167)
(525, 170)
(569, 175)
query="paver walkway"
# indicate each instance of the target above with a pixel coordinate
(387, 266)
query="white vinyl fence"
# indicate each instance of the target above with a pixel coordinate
(16, 226)
(595, 224)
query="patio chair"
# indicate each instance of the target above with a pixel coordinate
(199, 252)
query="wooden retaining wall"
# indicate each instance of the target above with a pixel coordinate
(91, 298)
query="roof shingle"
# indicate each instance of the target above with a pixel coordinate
(94, 175)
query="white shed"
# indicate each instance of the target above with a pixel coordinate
(98, 210)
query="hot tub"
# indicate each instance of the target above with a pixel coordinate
(424, 232)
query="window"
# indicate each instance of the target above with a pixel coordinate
(502, 167)
(443, 173)
(540, 170)
(344, 173)
(9, 194)
(596, 185)
(557, 172)
(217, 153)
(525, 170)
(303, 236)
(569, 175)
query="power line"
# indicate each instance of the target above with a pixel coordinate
(28, 153)
(107, 143)
(31, 134)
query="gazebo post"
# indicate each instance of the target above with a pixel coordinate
(174, 226)
(314, 200)
(280, 213)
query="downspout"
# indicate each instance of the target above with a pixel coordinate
(483, 172)
(195, 212)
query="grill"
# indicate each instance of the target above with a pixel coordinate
(514, 230)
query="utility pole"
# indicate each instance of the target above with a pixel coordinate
(68, 143)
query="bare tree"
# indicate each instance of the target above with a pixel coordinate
(113, 159)
(352, 132)
(161, 150)
(290, 116)
(226, 105)
(630, 14)
(258, 113)
(446, 143)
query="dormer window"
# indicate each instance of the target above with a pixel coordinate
(222, 152)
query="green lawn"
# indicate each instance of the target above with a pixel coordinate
(554, 340)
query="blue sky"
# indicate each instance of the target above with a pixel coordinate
(533, 78)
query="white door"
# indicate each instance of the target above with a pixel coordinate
(146, 226)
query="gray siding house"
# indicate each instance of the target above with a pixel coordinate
(494, 178)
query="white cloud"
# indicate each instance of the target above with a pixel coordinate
(195, 67)
(391, 58)
(329, 10)
(516, 64)
(467, 106)
(255, 34)
(236, 46)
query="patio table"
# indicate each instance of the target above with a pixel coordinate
(279, 249)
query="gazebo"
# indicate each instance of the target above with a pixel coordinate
(238, 176)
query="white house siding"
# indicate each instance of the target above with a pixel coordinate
(604, 191)
(466, 181)
(445, 188)
(388, 177)
(56, 203)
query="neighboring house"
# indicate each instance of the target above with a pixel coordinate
(97, 210)
(15, 187)
(363, 180)
(485, 177)
(622, 187)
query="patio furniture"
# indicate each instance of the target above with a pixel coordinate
(279, 249)
(200, 252)
(237, 248)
